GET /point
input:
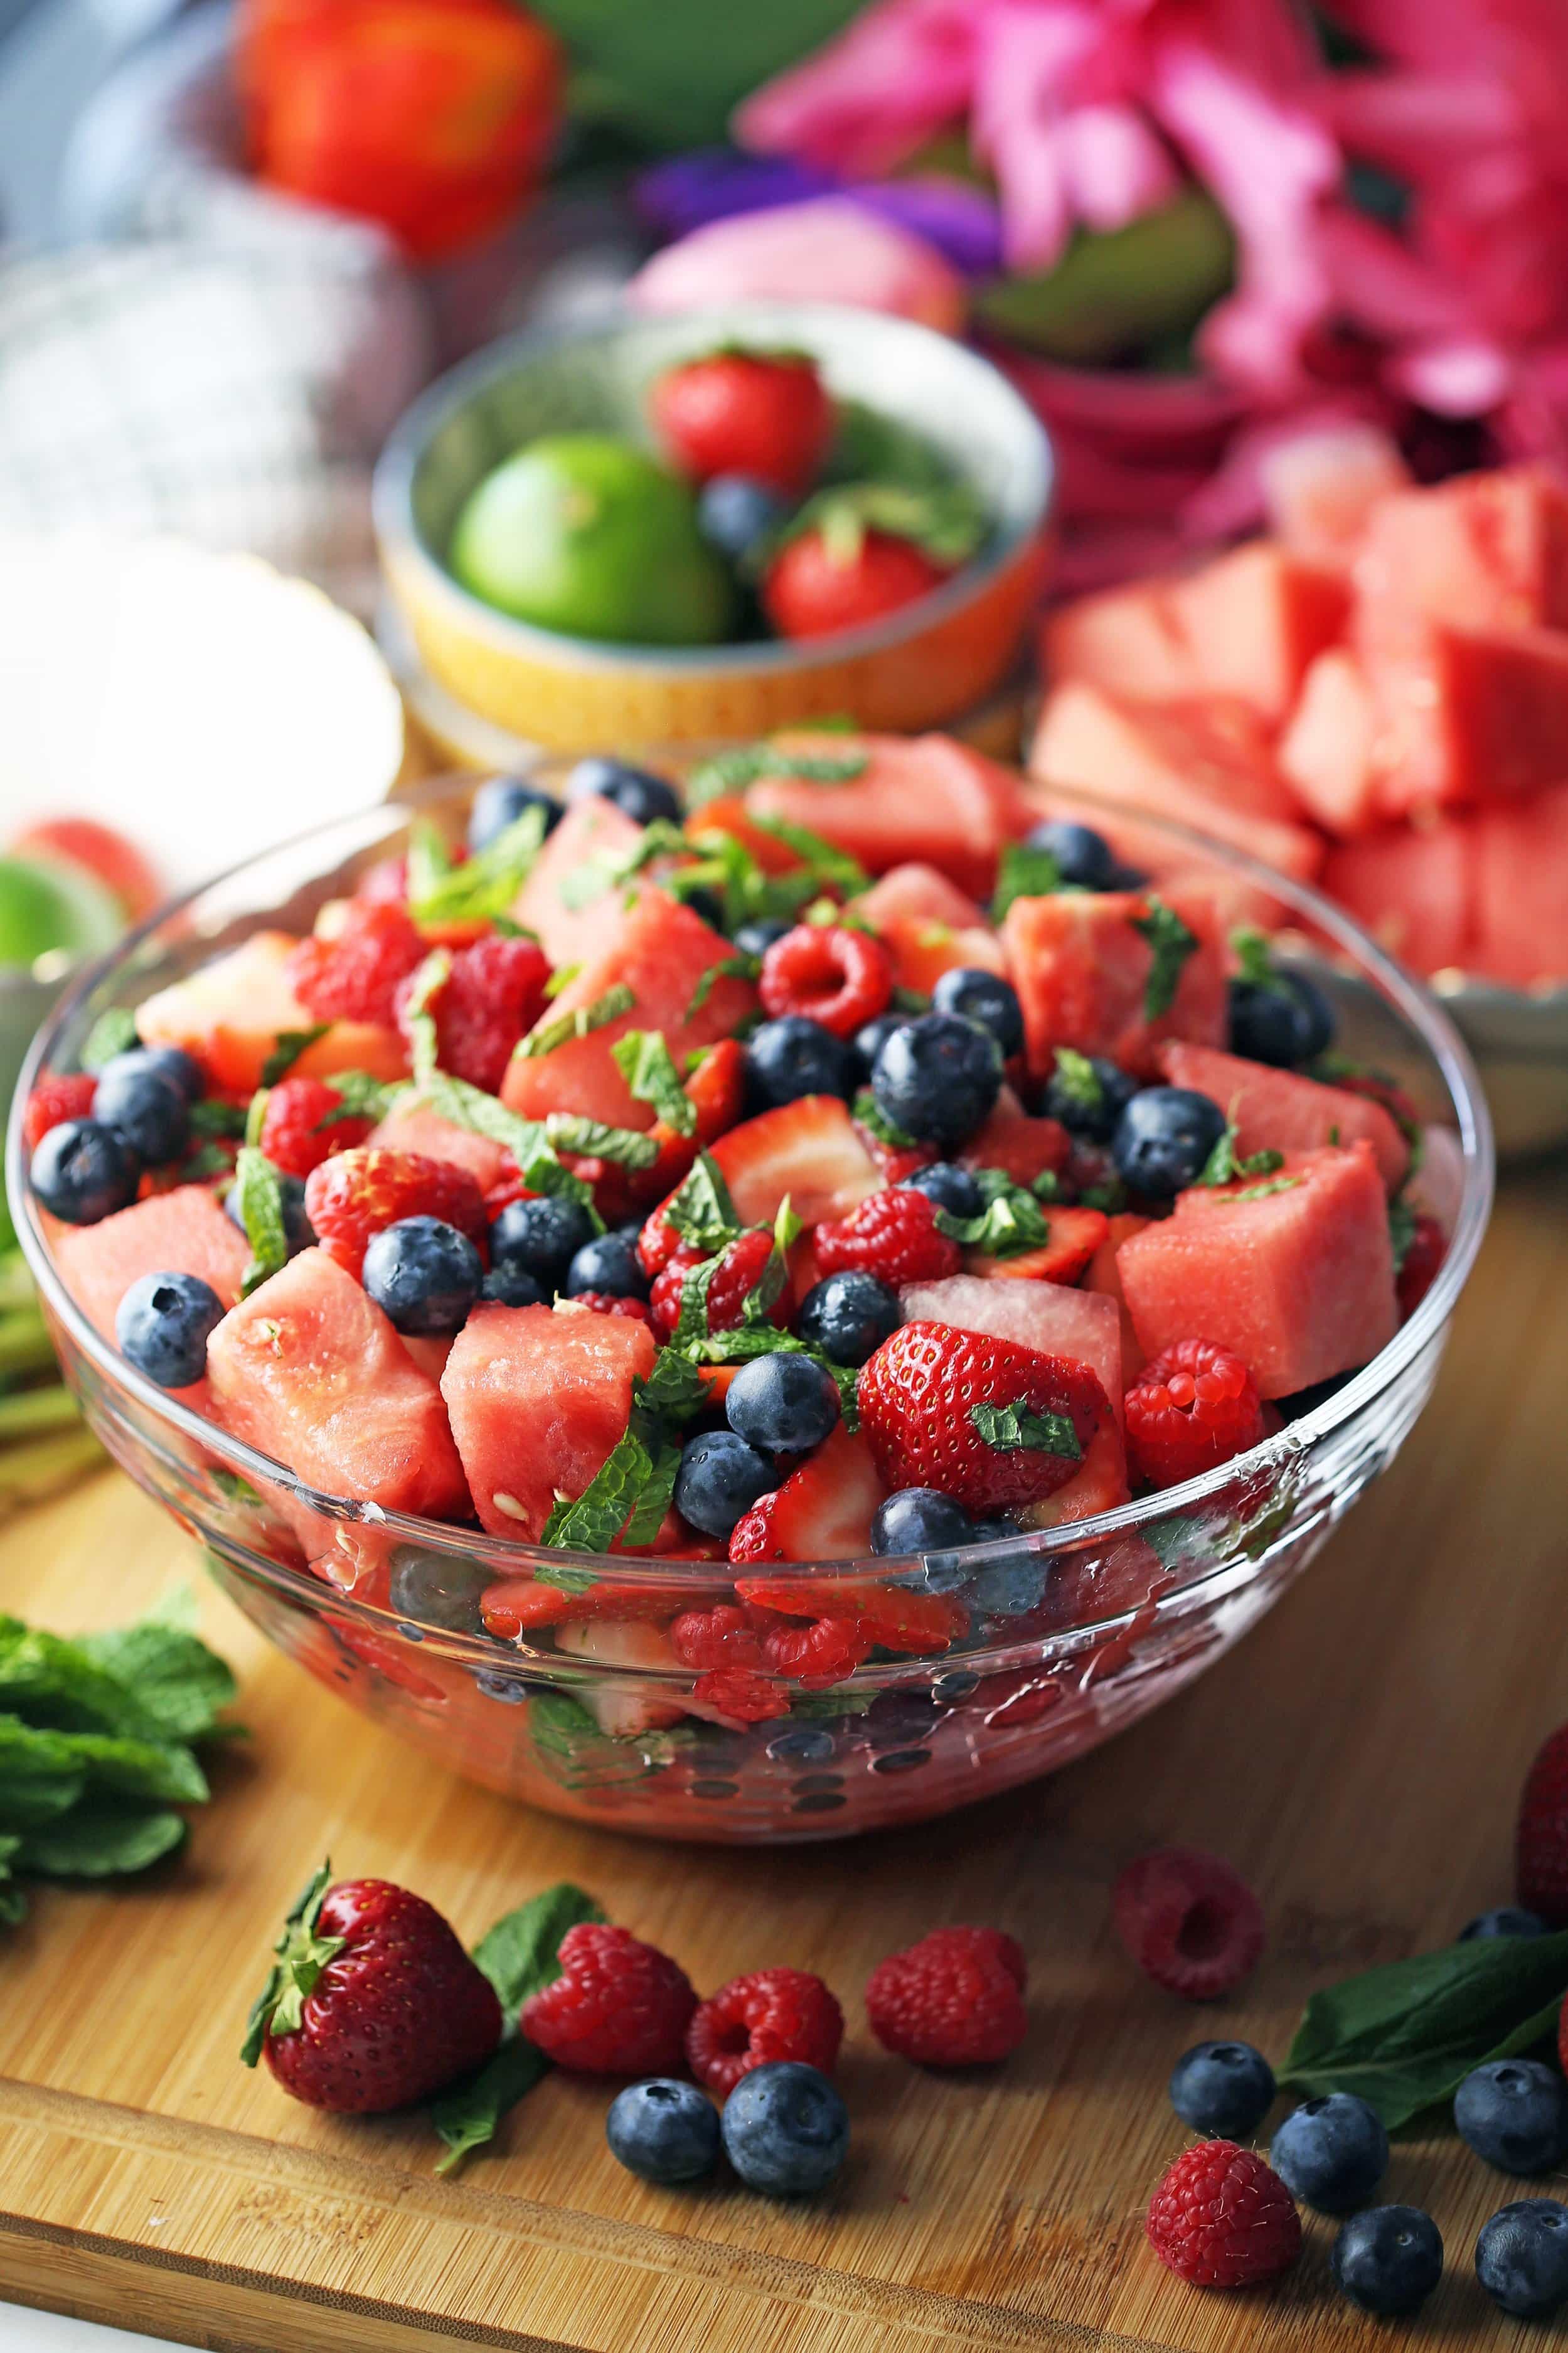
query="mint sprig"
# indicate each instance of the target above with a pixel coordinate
(1225, 1164)
(701, 1210)
(1010, 1223)
(732, 771)
(480, 887)
(259, 1191)
(594, 1139)
(1171, 942)
(644, 1060)
(1013, 1428)
(1023, 872)
(580, 1022)
(113, 1033)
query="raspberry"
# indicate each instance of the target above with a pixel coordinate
(740, 1271)
(293, 1135)
(840, 977)
(493, 996)
(817, 1655)
(355, 1193)
(719, 1638)
(601, 1303)
(955, 1999)
(1428, 1248)
(1189, 1921)
(53, 1099)
(1191, 1407)
(618, 2007)
(892, 1234)
(1222, 2218)
(754, 2021)
(355, 976)
(1541, 1847)
(738, 1694)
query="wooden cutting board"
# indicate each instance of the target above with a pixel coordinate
(1358, 1757)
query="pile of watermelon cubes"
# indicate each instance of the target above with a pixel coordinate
(847, 1161)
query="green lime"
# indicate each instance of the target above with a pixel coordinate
(44, 907)
(589, 537)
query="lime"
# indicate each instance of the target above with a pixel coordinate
(588, 535)
(44, 907)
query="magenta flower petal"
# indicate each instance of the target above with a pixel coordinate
(902, 72)
(1116, 168)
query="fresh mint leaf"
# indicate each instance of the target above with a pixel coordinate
(647, 1514)
(1023, 872)
(823, 861)
(40, 1777)
(644, 1060)
(675, 1391)
(870, 1116)
(701, 1210)
(591, 1139)
(1400, 1230)
(101, 1838)
(1009, 1427)
(1011, 1222)
(260, 1196)
(606, 870)
(1255, 965)
(732, 771)
(1225, 1164)
(180, 1683)
(538, 1164)
(480, 887)
(579, 1023)
(418, 1021)
(287, 1048)
(1170, 943)
(592, 1522)
(1076, 1080)
(521, 1954)
(111, 1034)
(729, 968)
(692, 1321)
(562, 977)
(467, 2117)
(1265, 1191)
(212, 1117)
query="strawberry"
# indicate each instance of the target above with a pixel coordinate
(809, 1149)
(356, 1194)
(1071, 1241)
(822, 1512)
(299, 1128)
(813, 588)
(371, 2003)
(740, 1270)
(1011, 1140)
(761, 414)
(985, 1420)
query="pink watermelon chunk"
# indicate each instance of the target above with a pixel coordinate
(412, 1127)
(916, 893)
(1202, 764)
(1256, 620)
(1081, 972)
(231, 1013)
(1328, 752)
(181, 1232)
(1050, 1316)
(660, 951)
(1294, 1273)
(1471, 715)
(1319, 489)
(1521, 890)
(1486, 551)
(1128, 640)
(927, 798)
(1104, 1275)
(537, 1402)
(1281, 1111)
(1414, 889)
(589, 829)
(309, 1370)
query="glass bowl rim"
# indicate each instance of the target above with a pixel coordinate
(1419, 1009)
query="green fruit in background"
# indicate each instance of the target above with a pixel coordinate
(588, 535)
(44, 907)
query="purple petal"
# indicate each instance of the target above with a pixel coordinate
(961, 221)
(673, 198)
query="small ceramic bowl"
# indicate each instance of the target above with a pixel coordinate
(920, 668)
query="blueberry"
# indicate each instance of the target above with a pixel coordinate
(993, 1532)
(757, 937)
(297, 1231)
(783, 1403)
(721, 1477)
(150, 1111)
(848, 1316)
(937, 1078)
(796, 1056)
(1514, 2112)
(950, 1187)
(785, 2129)
(1163, 1139)
(1009, 1588)
(984, 999)
(181, 1071)
(610, 1263)
(1508, 1920)
(872, 1037)
(1225, 2089)
(541, 1236)
(435, 1588)
(423, 1274)
(500, 801)
(1090, 1103)
(663, 2130)
(83, 1171)
(1331, 2153)
(707, 906)
(639, 795)
(162, 1324)
(920, 1519)
(1289, 1023)
(1084, 858)
(734, 512)
(1521, 2258)
(1388, 2260)
(512, 1286)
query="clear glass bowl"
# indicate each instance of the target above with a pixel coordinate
(1071, 1634)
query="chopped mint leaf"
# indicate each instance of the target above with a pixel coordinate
(1110, 1196)
(562, 977)
(538, 1164)
(732, 771)
(360, 1097)
(632, 1491)
(1024, 873)
(644, 1060)
(418, 1021)
(1077, 1079)
(1270, 1185)
(823, 860)
(603, 871)
(480, 887)
(870, 1116)
(1255, 965)
(743, 1342)
(208, 1160)
(729, 968)
(1009, 1427)
(592, 1522)
(1223, 1163)
(1171, 942)
(1011, 1222)
(212, 1117)
(579, 1023)
(591, 1139)
(769, 1285)
(1400, 1230)
(675, 1391)
(255, 1117)
(647, 1514)
(1047, 1185)
(288, 1046)
(910, 1000)
(701, 1210)
(112, 1033)
(692, 1321)
(260, 1203)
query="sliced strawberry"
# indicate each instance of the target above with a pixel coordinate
(1011, 1140)
(809, 1150)
(1075, 1235)
(822, 1512)
(516, 1605)
(895, 1617)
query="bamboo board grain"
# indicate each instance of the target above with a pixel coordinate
(1358, 1757)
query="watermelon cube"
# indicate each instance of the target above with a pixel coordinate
(1319, 489)
(928, 798)
(1281, 1111)
(1104, 1275)
(1082, 970)
(231, 1013)
(1202, 764)
(659, 950)
(591, 831)
(181, 1232)
(917, 893)
(1486, 551)
(1414, 888)
(1255, 619)
(1294, 1273)
(538, 1400)
(310, 1371)
(412, 1127)
(1327, 754)
(1471, 715)
(1521, 890)
(1128, 640)
(1050, 1316)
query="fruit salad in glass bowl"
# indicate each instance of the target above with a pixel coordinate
(761, 1302)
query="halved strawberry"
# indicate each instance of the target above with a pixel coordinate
(809, 1150)
(822, 1512)
(1013, 1141)
(1074, 1236)
(515, 1606)
(895, 1617)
